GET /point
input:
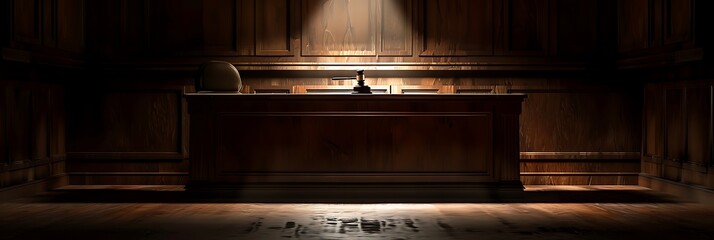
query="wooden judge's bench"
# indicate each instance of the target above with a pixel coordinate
(351, 146)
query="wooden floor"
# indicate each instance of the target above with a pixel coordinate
(151, 212)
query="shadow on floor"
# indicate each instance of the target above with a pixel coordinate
(179, 196)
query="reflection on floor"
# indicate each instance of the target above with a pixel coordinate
(161, 212)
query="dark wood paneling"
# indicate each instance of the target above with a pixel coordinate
(674, 133)
(219, 25)
(457, 28)
(125, 122)
(686, 108)
(577, 33)
(29, 125)
(39, 123)
(575, 179)
(339, 28)
(653, 114)
(340, 144)
(319, 139)
(526, 24)
(633, 25)
(104, 28)
(245, 9)
(273, 27)
(555, 121)
(133, 27)
(176, 26)
(27, 21)
(4, 148)
(19, 113)
(49, 19)
(395, 38)
(698, 126)
(70, 25)
(678, 17)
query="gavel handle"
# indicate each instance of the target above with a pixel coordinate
(343, 78)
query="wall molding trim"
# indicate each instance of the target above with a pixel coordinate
(686, 192)
(34, 187)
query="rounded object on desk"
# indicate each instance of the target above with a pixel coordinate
(218, 76)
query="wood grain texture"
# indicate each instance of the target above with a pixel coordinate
(396, 23)
(117, 121)
(31, 128)
(674, 125)
(686, 126)
(527, 26)
(577, 33)
(273, 28)
(27, 21)
(457, 28)
(678, 21)
(48, 18)
(245, 9)
(653, 114)
(360, 139)
(562, 121)
(219, 25)
(633, 25)
(176, 26)
(19, 113)
(339, 28)
(698, 135)
(349, 144)
(70, 25)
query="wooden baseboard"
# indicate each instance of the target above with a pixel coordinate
(685, 192)
(128, 178)
(34, 187)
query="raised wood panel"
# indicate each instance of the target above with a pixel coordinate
(577, 32)
(39, 123)
(70, 25)
(219, 25)
(526, 26)
(633, 25)
(104, 28)
(176, 26)
(125, 122)
(698, 136)
(457, 28)
(58, 122)
(678, 17)
(674, 134)
(338, 141)
(395, 38)
(27, 21)
(245, 10)
(653, 117)
(339, 28)
(555, 121)
(273, 27)
(674, 125)
(49, 19)
(28, 123)
(19, 114)
(5, 23)
(133, 26)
